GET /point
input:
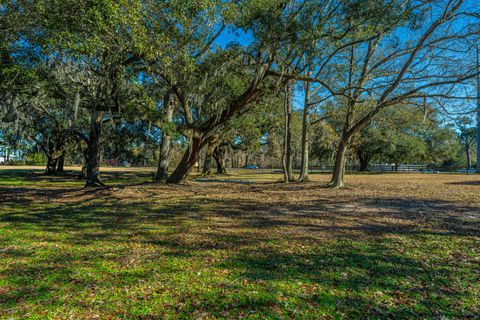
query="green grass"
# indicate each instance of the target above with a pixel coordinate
(153, 252)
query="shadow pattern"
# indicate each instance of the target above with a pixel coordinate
(362, 258)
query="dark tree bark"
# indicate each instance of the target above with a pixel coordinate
(83, 172)
(363, 159)
(93, 151)
(190, 157)
(287, 147)
(61, 163)
(51, 165)
(207, 163)
(478, 107)
(165, 146)
(206, 128)
(219, 154)
(54, 150)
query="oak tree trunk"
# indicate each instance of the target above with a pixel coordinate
(339, 167)
(54, 151)
(51, 165)
(61, 163)
(164, 158)
(363, 159)
(247, 158)
(93, 151)
(165, 146)
(207, 163)
(219, 155)
(190, 157)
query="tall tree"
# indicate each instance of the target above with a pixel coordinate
(374, 60)
(287, 140)
(478, 105)
(467, 135)
(205, 100)
(100, 36)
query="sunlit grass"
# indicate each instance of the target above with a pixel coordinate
(209, 250)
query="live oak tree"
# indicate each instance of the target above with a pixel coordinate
(442, 144)
(207, 102)
(311, 57)
(164, 65)
(16, 74)
(48, 109)
(315, 25)
(51, 112)
(34, 102)
(390, 68)
(247, 132)
(100, 36)
(275, 27)
(177, 37)
(394, 136)
(393, 70)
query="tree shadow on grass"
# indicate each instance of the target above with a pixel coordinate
(324, 218)
(465, 183)
(39, 177)
(367, 282)
(34, 176)
(348, 259)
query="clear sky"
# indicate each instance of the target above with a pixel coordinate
(230, 35)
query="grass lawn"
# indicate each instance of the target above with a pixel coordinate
(403, 246)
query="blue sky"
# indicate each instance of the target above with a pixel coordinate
(230, 35)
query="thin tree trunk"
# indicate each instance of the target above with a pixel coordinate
(287, 147)
(93, 151)
(190, 157)
(305, 136)
(14, 149)
(247, 158)
(165, 146)
(286, 178)
(467, 152)
(478, 106)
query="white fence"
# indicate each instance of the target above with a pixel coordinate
(396, 168)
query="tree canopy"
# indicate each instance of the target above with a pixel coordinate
(148, 81)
